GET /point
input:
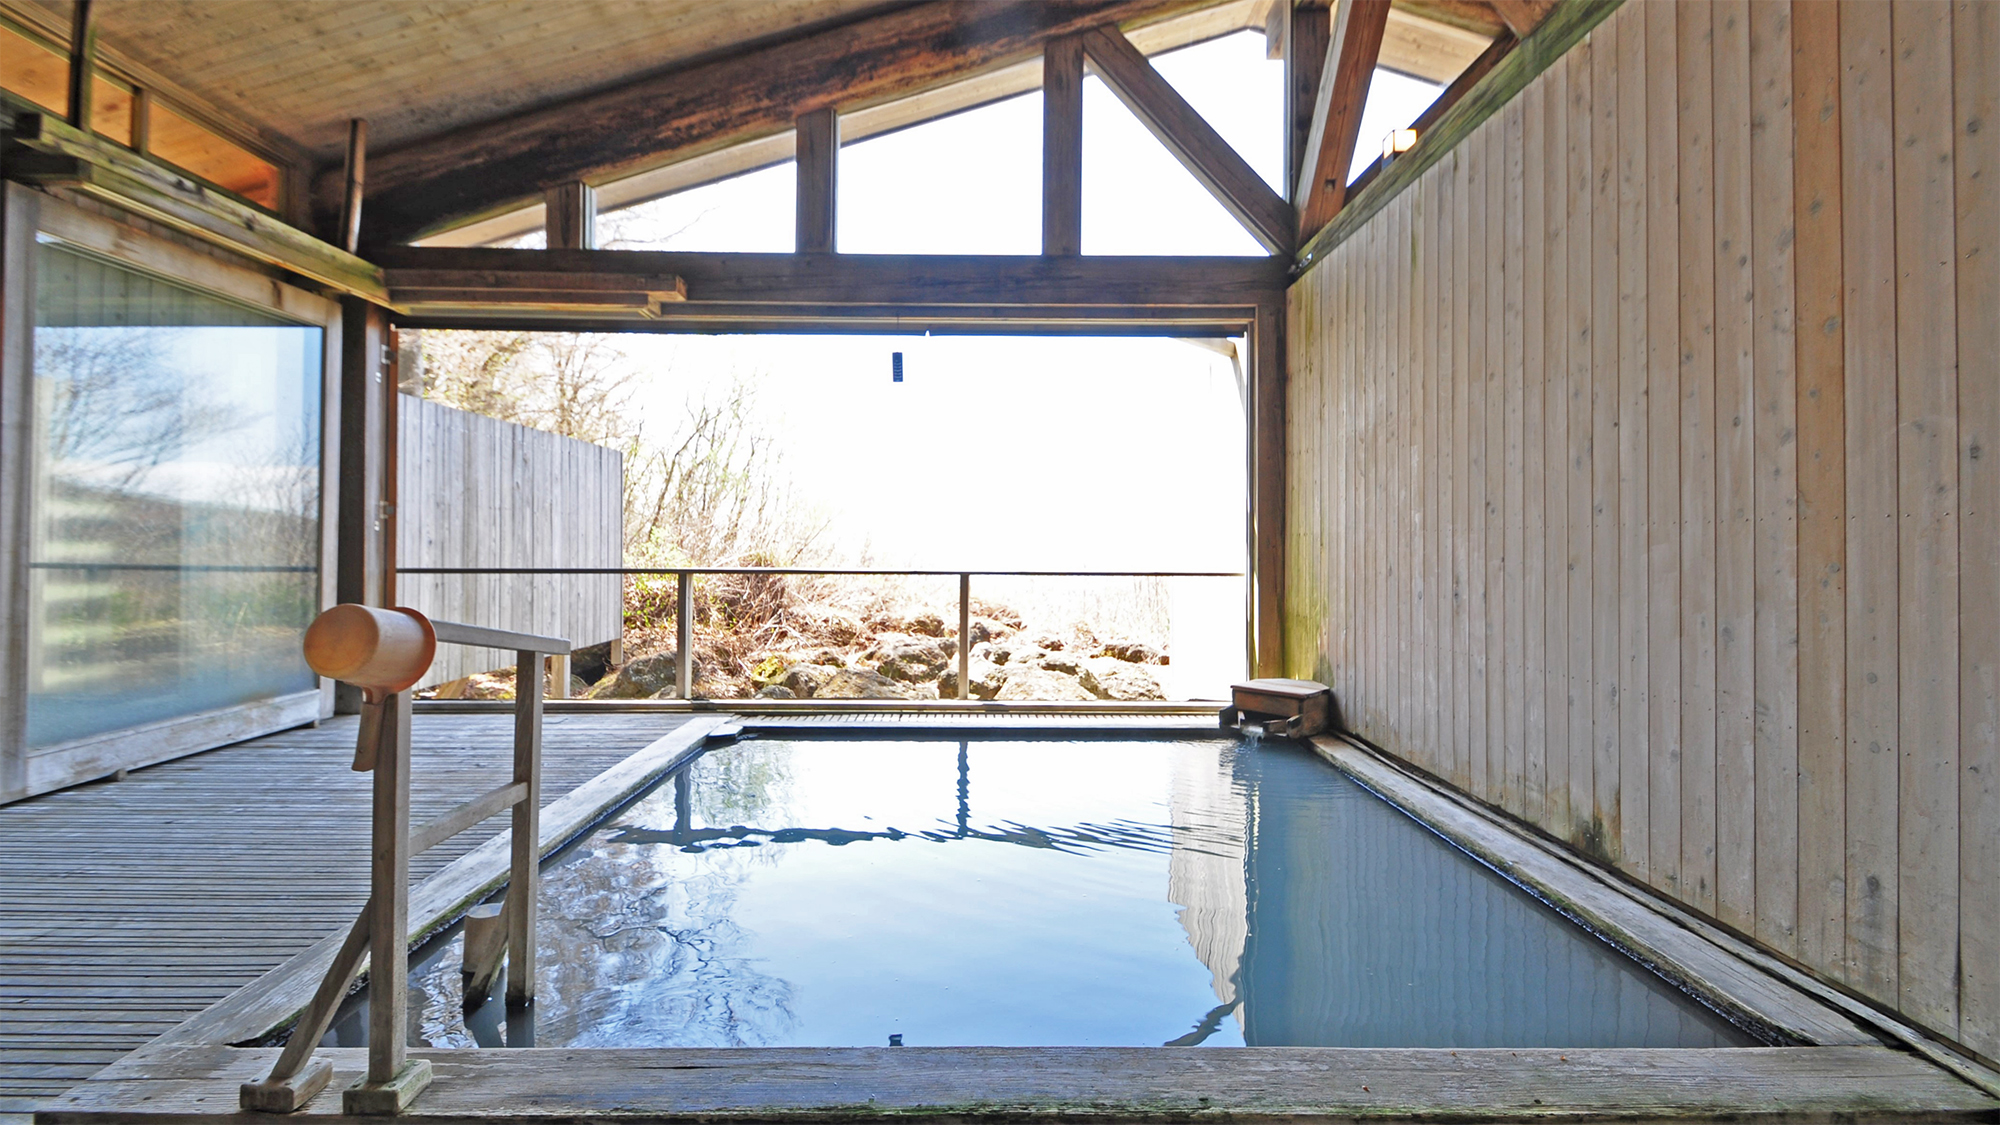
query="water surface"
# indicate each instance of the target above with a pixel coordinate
(1130, 893)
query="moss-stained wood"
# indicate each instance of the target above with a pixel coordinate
(429, 185)
(45, 151)
(1556, 34)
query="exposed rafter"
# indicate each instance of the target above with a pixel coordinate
(1356, 41)
(1192, 140)
(490, 168)
(1062, 147)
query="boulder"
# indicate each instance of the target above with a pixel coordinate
(776, 691)
(1111, 678)
(1068, 663)
(926, 624)
(1014, 652)
(1133, 652)
(804, 680)
(643, 678)
(914, 659)
(859, 683)
(987, 679)
(1042, 685)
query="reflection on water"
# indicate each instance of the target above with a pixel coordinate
(1013, 893)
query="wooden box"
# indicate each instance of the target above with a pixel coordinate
(1280, 708)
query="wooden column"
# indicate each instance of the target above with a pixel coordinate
(571, 210)
(818, 162)
(361, 550)
(1305, 63)
(1062, 147)
(82, 62)
(524, 884)
(1266, 419)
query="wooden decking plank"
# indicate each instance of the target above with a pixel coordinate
(224, 882)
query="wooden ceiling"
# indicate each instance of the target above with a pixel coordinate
(475, 107)
(416, 68)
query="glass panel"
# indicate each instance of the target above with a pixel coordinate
(909, 192)
(175, 558)
(751, 213)
(179, 141)
(41, 75)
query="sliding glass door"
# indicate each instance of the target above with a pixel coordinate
(176, 510)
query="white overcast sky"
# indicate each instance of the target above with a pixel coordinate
(1072, 453)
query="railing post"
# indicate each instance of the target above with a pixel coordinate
(394, 1080)
(964, 636)
(684, 635)
(524, 883)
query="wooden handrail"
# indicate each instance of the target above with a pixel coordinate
(480, 636)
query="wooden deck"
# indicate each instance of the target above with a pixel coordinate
(145, 901)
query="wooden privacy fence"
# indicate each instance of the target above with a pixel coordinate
(476, 491)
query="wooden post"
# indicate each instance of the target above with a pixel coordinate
(357, 175)
(524, 884)
(82, 62)
(684, 635)
(485, 937)
(394, 1080)
(964, 636)
(558, 676)
(1305, 62)
(1266, 421)
(142, 120)
(818, 164)
(570, 216)
(1062, 147)
(359, 556)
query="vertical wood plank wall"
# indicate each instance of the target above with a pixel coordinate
(478, 492)
(1643, 480)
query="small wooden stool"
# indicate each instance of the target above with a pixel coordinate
(1280, 708)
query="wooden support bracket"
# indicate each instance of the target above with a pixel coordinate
(1192, 140)
(818, 163)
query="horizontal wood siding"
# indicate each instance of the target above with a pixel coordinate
(477, 492)
(1641, 477)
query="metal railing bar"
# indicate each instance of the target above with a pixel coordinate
(693, 570)
(174, 567)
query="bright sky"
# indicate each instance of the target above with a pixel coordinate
(1073, 453)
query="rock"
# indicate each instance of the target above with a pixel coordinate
(1016, 652)
(1040, 684)
(926, 624)
(1134, 652)
(593, 663)
(776, 691)
(987, 679)
(1068, 663)
(804, 680)
(1112, 678)
(909, 658)
(578, 686)
(859, 683)
(983, 630)
(1049, 641)
(640, 679)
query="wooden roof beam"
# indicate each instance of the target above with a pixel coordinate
(490, 168)
(1192, 140)
(1354, 45)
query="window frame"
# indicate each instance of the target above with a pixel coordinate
(27, 218)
